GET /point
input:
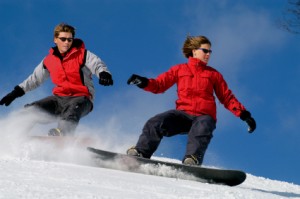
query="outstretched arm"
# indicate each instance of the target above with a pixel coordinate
(39, 75)
(230, 102)
(99, 68)
(158, 85)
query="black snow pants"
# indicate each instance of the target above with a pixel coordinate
(68, 110)
(173, 122)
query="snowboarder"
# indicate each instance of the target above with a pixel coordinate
(195, 112)
(70, 66)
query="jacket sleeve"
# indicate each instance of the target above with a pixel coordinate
(95, 64)
(226, 97)
(39, 75)
(162, 82)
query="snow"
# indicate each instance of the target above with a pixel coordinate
(64, 169)
(39, 169)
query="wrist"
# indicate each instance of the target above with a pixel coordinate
(245, 115)
(18, 91)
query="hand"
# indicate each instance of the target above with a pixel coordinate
(246, 116)
(141, 82)
(105, 79)
(17, 92)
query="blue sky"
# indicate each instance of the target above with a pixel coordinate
(258, 59)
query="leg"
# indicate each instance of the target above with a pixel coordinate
(199, 136)
(42, 111)
(25, 119)
(48, 105)
(167, 124)
(72, 109)
(39, 111)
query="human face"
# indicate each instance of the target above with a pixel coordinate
(200, 54)
(64, 46)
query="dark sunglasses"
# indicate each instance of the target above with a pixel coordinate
(63, 39)
(205, 50)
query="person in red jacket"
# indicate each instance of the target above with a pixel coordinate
(70, 66)
(195, 113)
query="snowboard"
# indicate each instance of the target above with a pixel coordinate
(135, 164)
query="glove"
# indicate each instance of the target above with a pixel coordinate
(17, 92)
(246, 116)
(105, 79)
(141, 82)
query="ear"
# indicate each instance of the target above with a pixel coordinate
(194, 52)
(55, 40)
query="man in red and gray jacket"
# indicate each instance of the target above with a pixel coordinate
(70, 66)
(195, 112)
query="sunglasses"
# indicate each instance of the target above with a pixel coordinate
(63, 39)
(205, 50)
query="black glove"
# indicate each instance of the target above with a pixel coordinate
(17, 92)
(141, 82)
(105, 79)
(246, 116)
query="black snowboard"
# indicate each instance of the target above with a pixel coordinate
(124, 162)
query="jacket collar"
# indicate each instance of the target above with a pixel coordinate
(196, 62)
(77, 44)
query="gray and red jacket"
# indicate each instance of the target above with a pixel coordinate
(71, 74)
(196, 85)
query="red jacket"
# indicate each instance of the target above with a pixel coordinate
(65, 72)
(196, 85)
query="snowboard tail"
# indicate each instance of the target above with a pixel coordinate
(135, 164)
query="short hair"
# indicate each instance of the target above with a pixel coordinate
(63, 27)
(193, 42)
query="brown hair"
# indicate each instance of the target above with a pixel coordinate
(192, 43)
(63, 27)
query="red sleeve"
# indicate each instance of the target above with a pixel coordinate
(226, 97)
(162, 82)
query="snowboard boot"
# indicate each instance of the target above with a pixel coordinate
(191, 160)
(133, 152)
(55, 132)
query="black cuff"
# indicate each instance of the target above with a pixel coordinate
(245, 115)
(144, 83)
(19, 91)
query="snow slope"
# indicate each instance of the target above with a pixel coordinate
(38, 169)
